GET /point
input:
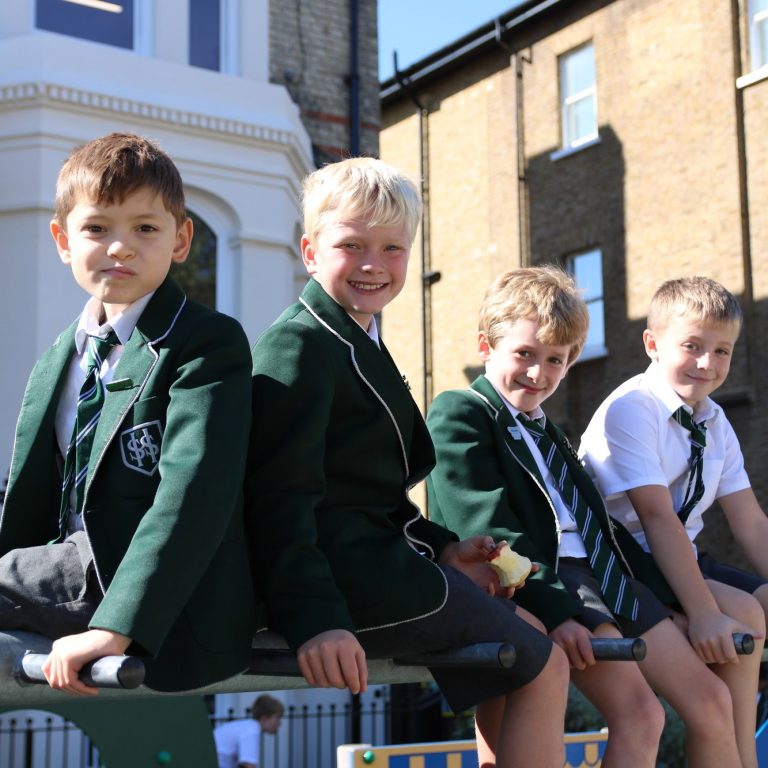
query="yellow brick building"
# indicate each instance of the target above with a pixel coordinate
(626, 140)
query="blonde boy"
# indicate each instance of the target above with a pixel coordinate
(122, 521)
(348, 565)
(504, 468)
(661, 452)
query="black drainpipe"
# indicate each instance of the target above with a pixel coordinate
(354, 81)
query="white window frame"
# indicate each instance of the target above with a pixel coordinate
(569, 100)
(758, 20)
(594, 297)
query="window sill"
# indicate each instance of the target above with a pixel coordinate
(753, 77)
(561, 153)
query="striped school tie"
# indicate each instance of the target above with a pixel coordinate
(616, 589)
(695, 489)
(89, 404)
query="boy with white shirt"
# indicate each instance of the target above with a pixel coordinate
(504, 468)
(661, 451)
(122, 524)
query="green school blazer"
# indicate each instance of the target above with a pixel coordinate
(486, 481)
(336, 442)
(163, 494)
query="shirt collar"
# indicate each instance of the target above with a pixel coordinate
(122, 324)
(664, 392)
(372, 330)
(536, 415)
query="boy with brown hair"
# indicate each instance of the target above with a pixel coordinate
(503, 467)
(122, 525)
(348, 566)
(662, 451)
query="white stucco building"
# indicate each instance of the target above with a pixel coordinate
(237, 139)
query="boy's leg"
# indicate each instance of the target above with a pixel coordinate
(634, 715)
(675, 671)
(51, 589)
(742, 678)
(525, 727)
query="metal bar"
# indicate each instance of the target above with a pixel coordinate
(124, 672)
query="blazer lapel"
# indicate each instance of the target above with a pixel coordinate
(509, 427)
(136, 363)
(375, 367)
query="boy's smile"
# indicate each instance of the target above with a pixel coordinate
(121, 252)
(525, 370)
(693, 357)
(362, 268)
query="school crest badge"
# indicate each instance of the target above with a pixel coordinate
(140, 447)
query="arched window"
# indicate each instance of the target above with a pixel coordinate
(197, 275)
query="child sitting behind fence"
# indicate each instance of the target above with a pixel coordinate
(348, 566)
(122, 526)
(662, 451)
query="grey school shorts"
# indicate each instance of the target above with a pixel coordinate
(729, 574)
(50, 589)
(580, 581)
(469, 615)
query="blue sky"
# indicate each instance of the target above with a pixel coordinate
(416, 28)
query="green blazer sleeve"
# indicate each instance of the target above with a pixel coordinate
(476, 489)
(293, 398)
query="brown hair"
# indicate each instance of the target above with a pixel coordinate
(546, 294)
(695, 298)
(266, 706)
(109, 168)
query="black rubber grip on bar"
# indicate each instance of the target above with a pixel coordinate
(744, 643)
(107, 672)
(618, 648)
(478, 655)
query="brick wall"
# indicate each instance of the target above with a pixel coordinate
(310, 55)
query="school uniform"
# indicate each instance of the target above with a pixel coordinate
(487, 480)
(162, 511)
(632, 440)
(336, 443)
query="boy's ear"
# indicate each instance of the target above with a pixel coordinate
(308, 255)
(183, 241)
(649, 340)
(61, 239)
(483, 346)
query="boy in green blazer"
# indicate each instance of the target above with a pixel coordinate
(348, 566)
(502, 467)
(122, 526)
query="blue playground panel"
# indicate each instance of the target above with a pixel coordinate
(582, 750)
(762, 745)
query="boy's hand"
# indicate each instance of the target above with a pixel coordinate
(69, 654)
(334, 659)
(470, 556)
(576, 640)
(711, 635)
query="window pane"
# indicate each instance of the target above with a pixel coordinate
(197, 275)
(204, 34)
(761, 34)
(104, 22)
(596, 334)
(587, 271)
(579, 70)
(581, 119)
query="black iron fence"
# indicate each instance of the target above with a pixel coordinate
(307, 738)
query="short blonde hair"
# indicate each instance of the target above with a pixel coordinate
(363, 188)
(109, 168)
(694, 298)
(546, 294)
